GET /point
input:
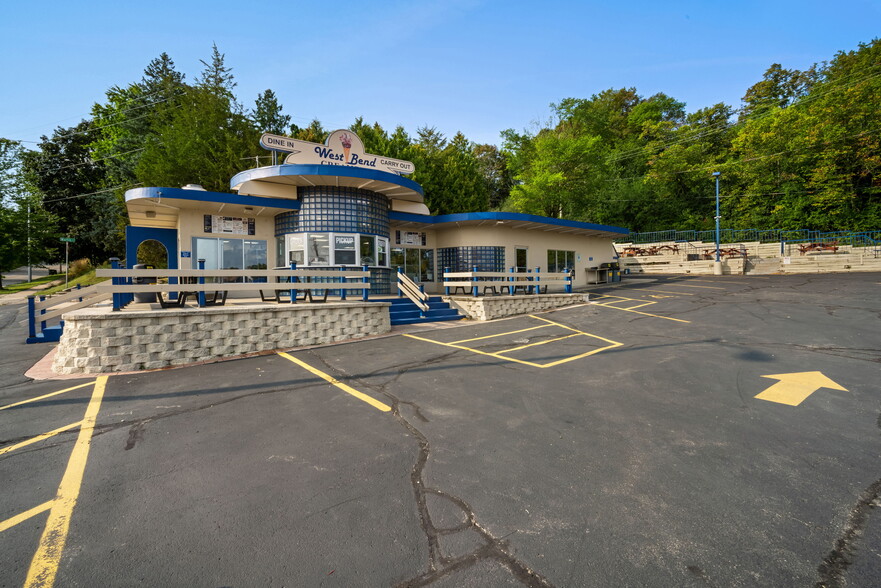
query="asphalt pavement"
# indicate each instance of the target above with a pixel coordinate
(674, 431)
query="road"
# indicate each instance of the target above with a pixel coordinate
(652, 437)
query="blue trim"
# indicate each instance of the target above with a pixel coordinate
(200, 196)
(497, 216)
(342, 171)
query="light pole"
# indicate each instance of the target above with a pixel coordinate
(717, 267)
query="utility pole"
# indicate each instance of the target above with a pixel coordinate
(717, 266)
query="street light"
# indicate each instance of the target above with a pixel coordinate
(717, 267)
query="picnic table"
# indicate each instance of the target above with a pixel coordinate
(812, 247)
(725, 252)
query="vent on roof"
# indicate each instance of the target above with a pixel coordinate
(193, 187)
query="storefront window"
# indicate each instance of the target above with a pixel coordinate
(397, 258)
(427, 265)
(229, 254)
(382, 245)
(344, 249)
(560, 260)
(297, 254)
(319, 249)
(255, 254)
(279, 252)
(368, 250)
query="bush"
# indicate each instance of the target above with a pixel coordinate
(79, 267)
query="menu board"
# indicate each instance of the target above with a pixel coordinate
(409, 238)
(230, 225)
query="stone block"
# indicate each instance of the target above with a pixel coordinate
(111, 360)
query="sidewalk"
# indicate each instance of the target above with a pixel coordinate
(21, 297)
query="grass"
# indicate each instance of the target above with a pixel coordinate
(27, 285)
(84, 280)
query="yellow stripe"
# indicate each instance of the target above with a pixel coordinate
(539, 343)
(681, 285)
(663, 291)
(20, 518)
(500, 334)
(558, 362)
(345, 388)
(47, 395)
(644, 313)
(44, 566)
(477, 351)
(39, 438)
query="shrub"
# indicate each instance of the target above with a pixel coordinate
(79, 267)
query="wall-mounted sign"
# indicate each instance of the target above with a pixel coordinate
(231, 225)
(410, 238)
(341, 148)
(186, 254)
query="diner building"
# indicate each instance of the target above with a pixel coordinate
(333, 205)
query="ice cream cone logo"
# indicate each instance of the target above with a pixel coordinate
(347, 145)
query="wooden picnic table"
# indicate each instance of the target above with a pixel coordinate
(811, 247)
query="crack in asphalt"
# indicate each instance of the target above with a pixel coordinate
(439, 565)
(832, 570)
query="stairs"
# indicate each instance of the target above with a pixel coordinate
(404, 312)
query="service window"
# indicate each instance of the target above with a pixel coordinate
(382, 251)
(297, 251)
(344, 249)
(319, 249)
(368, 250)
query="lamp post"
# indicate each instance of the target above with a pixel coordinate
(717, 266)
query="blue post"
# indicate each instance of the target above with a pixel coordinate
(537, 278)
(117, 298)
(568, 280)
(446, 288)
(292, 280)
(201, 294)
(474, 288)
(80, 287)
(42, 311)
(343, 286)
(400, 292)
(513, 280)
(718, 217)
(32, 317)
(364, 280)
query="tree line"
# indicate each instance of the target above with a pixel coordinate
(802, 152)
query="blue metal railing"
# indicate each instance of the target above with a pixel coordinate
(854, 238)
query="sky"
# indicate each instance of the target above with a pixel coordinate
(475, 66)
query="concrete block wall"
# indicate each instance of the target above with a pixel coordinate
(484, 308)
(105, 341)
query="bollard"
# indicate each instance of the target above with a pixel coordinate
(569, 274)
(343, 285)
(201, 294)
(474, 288)
(537, 279)
(446, 288)
(398, 278)
(513, 287)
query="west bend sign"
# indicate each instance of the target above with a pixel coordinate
(341, 148)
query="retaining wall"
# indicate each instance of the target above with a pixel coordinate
(105, 341)
(485, 308)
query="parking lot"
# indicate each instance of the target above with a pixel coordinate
(672, 431)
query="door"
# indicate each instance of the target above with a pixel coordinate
(521, 259)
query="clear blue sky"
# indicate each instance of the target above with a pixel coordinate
(476, 66)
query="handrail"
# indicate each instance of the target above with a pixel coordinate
(532, 280)
(411, 290)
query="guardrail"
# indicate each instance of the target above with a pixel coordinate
(528, 282)
(854, 238)
(49, 309)
(416, 293)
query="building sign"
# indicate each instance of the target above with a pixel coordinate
(410, 238)
(231, 225)
(341, 148)
(186, 254)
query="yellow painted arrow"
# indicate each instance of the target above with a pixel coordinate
(793, 389)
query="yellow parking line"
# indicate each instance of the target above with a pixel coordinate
(477, 351)
(47, 395)
(500, 334)
(638, 305)
(39, 438)
(344, 387)
(680, 284)
(539, 343)
(20, 518)
(663, 291)
(44, 566)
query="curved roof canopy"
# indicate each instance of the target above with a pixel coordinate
(392, 185)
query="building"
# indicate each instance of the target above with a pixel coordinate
(332, 205)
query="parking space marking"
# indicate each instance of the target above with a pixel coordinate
(501, 354)
(608, 305)
(39, 438)
(20, 518)
(344, 387)
(663, 291)
(44, 565)
(680, 284)
(499, 334)
(47, 395)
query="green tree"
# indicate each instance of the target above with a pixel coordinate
(268, 116)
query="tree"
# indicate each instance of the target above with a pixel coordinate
(267, 115)
(493, 166)
(216, 78)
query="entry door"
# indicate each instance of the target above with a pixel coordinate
(521, 259)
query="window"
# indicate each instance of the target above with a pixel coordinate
(382, 247)
(418, 264)
(368, 250)
(559, 261)
(463, 259)
(344, 249)
(279, 252)
(229, 254)
(297, 254)
(319, 249)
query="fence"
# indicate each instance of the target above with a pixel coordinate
(853, 238)
(529, 282)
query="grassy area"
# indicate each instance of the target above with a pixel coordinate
(27, 285)
(84, 280)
